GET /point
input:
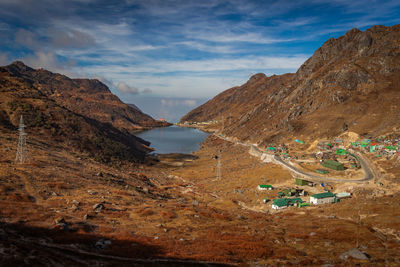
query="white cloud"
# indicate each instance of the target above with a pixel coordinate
(121, 29)
(4, 59)
(178, 102)
(208, 65)
(189, 86)
(49, 61)
(189, 103)
(70, 38)
(210, 48)
(196, 78)
(26, 38)
(4, 26)
(123, 87)
(42, 59)
(232, 37)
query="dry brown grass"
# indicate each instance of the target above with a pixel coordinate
(217, 229)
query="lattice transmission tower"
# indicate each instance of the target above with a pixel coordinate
(219, 168)
(22, 150)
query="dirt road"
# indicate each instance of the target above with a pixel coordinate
(366, 166)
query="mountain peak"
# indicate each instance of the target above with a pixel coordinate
(19, 66)
(18, 63)
(352, 32)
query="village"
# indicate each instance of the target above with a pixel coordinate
(297, 196)
(321, 164)
(325, 159)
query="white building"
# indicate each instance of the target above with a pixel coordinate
(263, 187)
(343, 195)
(322, 198)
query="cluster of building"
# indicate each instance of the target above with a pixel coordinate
(381, 146)
(291, 197)
(316, 199)
(200, 123)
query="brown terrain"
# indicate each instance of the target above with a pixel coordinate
(90, 195)
(351, 83)
(86, 97)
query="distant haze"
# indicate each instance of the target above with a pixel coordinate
(171, 109)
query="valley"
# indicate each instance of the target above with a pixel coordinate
(298, 169)
(157, 213)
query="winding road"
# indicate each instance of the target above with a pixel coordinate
(366, 166)
(369, 173)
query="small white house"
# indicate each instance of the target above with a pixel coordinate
(263, 187)
(343, 195)
(322, 198)
(276, 207)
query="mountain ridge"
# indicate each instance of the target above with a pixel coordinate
(33, 94)
(346, 85)
(89, 97)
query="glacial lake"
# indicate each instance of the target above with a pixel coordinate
(174, 139)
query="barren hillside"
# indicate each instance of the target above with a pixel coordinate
(54, 123)
(89, 98)
(350, 83)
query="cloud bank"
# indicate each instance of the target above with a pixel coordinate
(177, 48)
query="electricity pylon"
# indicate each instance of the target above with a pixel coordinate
(219, 168)
(22, 150)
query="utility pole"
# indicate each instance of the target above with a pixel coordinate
(219, 168)
(22, 150)
(223, 124)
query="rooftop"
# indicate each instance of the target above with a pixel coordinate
(332, 162)
(323, 195)
(280, 202)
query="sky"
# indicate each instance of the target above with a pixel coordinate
(169, 56)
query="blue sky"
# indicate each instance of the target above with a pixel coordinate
(180, 51)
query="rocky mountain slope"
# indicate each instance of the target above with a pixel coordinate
(87, 97)
(53, 118)
(351, 83)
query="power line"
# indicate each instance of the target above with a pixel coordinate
(22, 149)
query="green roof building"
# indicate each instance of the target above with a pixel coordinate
(322, 171)
(282, 203)
(305, 204)
(334, 165)
(341, 152)
(301, 182)
(322, 198)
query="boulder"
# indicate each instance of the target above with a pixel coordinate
(102, 243)
(356, 254)
(98, 207)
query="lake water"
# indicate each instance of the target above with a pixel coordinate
(174, 139)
